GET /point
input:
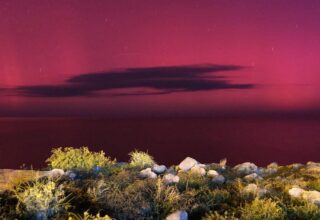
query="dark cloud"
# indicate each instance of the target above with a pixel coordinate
(163, 79)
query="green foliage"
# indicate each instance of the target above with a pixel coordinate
(43, 197)
(304, 211)
(165, 200)
(189, 180)
(262, 209)
(217, 216)
(77, 158)
(140, 159)
(87, 216)
(120, 193)
(8, 202)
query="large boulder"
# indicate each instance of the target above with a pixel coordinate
(170, 178)
(159, 169)
(147, 173)
(178, 215)
(246, 168)
(187, 164)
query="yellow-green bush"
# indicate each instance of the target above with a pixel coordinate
(41, 197)
(77, 158)
(262, 209)
(304, 211)
(140, 159)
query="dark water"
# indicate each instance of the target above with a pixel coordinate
(260, 140)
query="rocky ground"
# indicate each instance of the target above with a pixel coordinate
(189, 190)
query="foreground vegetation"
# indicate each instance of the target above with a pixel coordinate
(81, 184)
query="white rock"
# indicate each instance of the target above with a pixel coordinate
(296, 165)
(170, 178)
(187, 164)
(198, 170)
(296, 192)
(55, 173)
(147, 173)
(179, 215)
(158, 169)
(171, 170)
(212, 173)
(255, 190)
(201, 165)
(246, 168)
(273, 165)
(252, 176)
(70, 174)
(262, 192)
(218, 179)
(251, 189)
(312, 196)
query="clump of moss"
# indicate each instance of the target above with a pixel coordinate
(262, 209)
(306, 211)
(69, 158)
(139, 159)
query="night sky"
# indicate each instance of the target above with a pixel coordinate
(132, 58)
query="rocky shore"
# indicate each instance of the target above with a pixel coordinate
(143, 189)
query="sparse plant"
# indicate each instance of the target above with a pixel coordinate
(140, 159)
(165, 199)
(77, 158)
(42, 197)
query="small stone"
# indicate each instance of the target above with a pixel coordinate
(70, 174)
(187, 164)
(246, 168)
(55, 173)
(170, 178)
(296, 192)
(273, 165)
(297, 165)
(218, 179)
(252, 176)
(158, 169)
(198, 170)
(179, 215)
(212, 173)
(147, 173)
(171, 170)
(251, 189)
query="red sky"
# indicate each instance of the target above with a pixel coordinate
(47, 42)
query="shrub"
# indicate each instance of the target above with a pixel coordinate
(199, 202)
(262, 209)
(305, 211)
(217, 216)
(140, 159)
(88, 216)
(165, 199)
(41, 197)
(77, 158)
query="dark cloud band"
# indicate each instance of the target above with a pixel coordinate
(163, 79)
